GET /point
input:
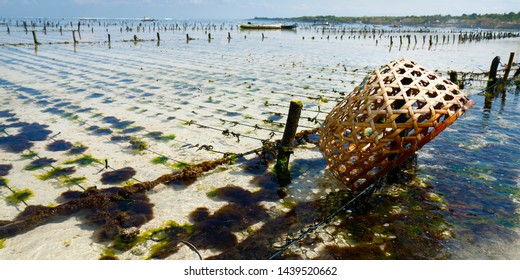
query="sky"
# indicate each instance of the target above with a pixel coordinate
(243, 9)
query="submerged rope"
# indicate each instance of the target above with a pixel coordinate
(326, 220)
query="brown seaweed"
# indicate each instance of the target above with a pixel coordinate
(4, 169)
(117, 176)
(60, 145)
(113, 209)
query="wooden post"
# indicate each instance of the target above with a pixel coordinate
(508, 67)
(493, 72)
(158, 37)
(109, 38)
(453, 77)
(517, 73)
(74, 36)
(34, 38)
(285, 148)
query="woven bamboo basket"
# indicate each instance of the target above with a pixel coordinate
(396, 110)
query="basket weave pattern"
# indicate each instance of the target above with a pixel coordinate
(395, 111)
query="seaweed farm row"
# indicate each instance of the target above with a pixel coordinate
(408, 36)
(146, 150)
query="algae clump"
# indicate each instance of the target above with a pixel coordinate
(19, 196)
(83, 160)
(159, 160)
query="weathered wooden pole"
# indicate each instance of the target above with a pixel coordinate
(74, 36)
(508, 67)
(453, 77)
(286, 145)
(492, 79)
(34, 38)
(109, 39)
(517, 73)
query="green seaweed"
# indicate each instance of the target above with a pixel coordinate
(69, 116)
(29, 155)
(2, 241)
(55, 173)
(167, 137)
(69, 181)
(124, 242)
(129, 182)
(159, 160)
(157, 248)
(212, 194)
(77, 148)
(3, 182)
(108, 254)
(83, 160)
(138, 145)
(39, 164)
(18, 196)
(179, 165)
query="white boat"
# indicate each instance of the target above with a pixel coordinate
(250, 25)
(148, 19)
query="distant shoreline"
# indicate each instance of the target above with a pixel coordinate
(494, 21)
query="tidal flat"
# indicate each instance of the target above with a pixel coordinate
(83, 123)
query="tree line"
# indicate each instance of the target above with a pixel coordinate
(503, 21)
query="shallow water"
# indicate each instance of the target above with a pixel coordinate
(150, 108)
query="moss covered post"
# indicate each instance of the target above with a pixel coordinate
(285, 148)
